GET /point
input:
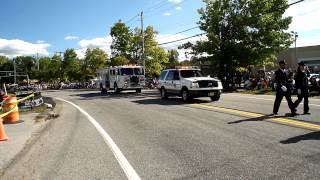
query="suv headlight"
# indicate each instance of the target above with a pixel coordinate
(194, 85)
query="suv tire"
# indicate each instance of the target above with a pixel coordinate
(215, 98)
(185, 95)
(163, 93)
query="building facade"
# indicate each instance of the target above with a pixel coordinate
(309, 54)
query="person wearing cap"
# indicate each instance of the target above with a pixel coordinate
(283, 88)
(301, 85)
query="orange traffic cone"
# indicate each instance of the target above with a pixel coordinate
(3, 135)
(11, 104)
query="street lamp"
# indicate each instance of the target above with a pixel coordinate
(295, 34)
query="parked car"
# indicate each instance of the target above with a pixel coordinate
(188, 82)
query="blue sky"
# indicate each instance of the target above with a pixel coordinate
(28, 27)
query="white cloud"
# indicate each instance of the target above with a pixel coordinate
(169, 38)
(178, 8)
(167, 14)
(305, 15)
(71, 37)
(99, 42)
(308, 41)
(175, 1)
(81, 53)
(16, 47)
(41, 41)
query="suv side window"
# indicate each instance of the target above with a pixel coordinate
(176, 75)
(170, 76)
(163, 75)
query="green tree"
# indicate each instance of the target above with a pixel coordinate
(119, 60)
(242, 32)
(5, 64)
(25, 64)
(55, 69)
(155, 56)
(136, 46)
(156, 60)
(173, 58)
(121, 40)
(44, 69)
(71, 65)
(94, 59)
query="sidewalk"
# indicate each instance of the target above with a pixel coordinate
(20, 135)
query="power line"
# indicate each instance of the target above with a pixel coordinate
(167, 9)
(295, 3)
(280, 8)
(182, 39)
(131, 19)
(179, 32)
(156, 5)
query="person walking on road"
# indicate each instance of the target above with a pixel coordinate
(283, 88)
(301, 85)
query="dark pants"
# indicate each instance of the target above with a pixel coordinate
(304, 95)
(279, 97)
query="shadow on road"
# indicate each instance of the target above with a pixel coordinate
(261, 118)
(308, 136)
(113, 95)
(169, 101)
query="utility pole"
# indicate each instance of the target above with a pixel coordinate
(38, 62)
(295, 34)
(14, 70)
(142, 37)
(59, 52)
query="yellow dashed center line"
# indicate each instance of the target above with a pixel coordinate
(257, 115)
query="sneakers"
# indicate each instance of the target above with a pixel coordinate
(306, 113)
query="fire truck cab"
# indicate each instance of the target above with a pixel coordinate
(119, 78)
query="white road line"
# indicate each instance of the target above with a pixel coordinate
(124, 163)
(246, 96)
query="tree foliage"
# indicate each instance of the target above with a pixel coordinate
(242, 32)
(94, 59)
(121, 39)
(71, 66)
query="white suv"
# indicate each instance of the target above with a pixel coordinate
(188, 83)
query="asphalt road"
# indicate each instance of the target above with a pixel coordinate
(168, 139)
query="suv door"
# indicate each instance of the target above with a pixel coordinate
(176, 84)
(172, 82)
(168, 82)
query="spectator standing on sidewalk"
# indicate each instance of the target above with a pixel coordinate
(301, 84)
(282, 89)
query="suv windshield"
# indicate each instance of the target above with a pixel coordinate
(190, 73)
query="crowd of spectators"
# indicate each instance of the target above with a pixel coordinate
(265, 80)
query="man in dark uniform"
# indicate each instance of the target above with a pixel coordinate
(283, 88)
(301, 85)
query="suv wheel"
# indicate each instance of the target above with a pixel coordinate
(185, 95)
(215, 98)
(163, 93)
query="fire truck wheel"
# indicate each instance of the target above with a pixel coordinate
(116, 89)
(103, 91)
